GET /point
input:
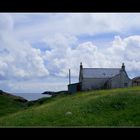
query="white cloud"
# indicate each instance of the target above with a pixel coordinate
(61, 57)
(61, 33)
(18, 59)
(34, 85)
(122, 50)
(6, 22)
(35, 26)
(37, 87)
(126, 50)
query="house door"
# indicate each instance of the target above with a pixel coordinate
(78, 87)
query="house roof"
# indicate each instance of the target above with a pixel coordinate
(136, 78)
(100, 72)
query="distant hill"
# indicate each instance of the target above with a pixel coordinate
(105, 108)
(53, 93)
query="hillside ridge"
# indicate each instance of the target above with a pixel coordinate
(106, 108)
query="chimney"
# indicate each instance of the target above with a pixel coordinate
(81, 66)
(80, 72)
(123, 67)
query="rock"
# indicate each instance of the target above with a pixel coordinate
(49, 92)
(68, 113)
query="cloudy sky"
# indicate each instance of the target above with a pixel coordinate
(37, 49)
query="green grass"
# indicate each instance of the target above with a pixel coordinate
(9, 104)
(116, 107)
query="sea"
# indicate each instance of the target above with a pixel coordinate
(31, 96)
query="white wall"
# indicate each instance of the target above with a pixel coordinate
(119, 81)
(93, 83)
(98, 83)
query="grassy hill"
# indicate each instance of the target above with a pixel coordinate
(116, 107)
(10, 104)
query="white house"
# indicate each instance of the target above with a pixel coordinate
(103, 78)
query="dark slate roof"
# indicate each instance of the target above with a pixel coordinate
(136, 78)
(100, 72)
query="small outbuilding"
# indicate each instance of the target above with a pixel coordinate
(136, 81)
(75, 87)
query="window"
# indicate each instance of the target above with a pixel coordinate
(125, 84)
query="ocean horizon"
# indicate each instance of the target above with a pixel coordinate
(31, 96)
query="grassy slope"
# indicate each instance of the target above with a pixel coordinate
(8, 104)
(117, 107)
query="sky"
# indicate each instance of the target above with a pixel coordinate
(38, 49)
